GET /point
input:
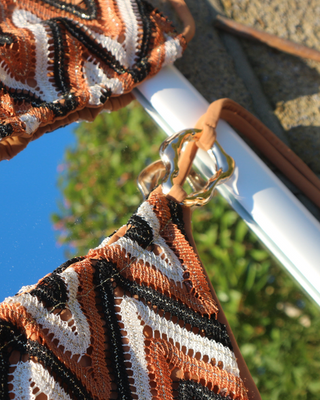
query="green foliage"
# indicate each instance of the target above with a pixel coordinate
(276, 326)
(99, 178)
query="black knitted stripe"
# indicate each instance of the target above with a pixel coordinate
(190, 390)
(144, 11)
(106, 56)
(60, 70)
(4, 370)
(67, 264)
(52, 291)
(17, 341)
(142, 67)
(6, 38)
(139, 71)
(213, 329)
(105, 95)
(64, 375)
(19, 95)
(59, 109)
(104, 291)
(140, 231)
(177, 216)
(5, 130)
(7, 334)
(87, 13)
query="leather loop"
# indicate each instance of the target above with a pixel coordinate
(186, 17)
(185, 164)
(177, 193)
(265, 140)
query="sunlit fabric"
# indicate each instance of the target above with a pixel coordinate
(57, 57)
(133, 319)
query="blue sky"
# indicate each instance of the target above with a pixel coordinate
(29, 194)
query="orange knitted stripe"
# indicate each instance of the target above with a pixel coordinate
(45, 12)
(164, 358)
(144, 274)
(17, 57)
(7, 101)
(64, 85)
(177, 242)
(157, 57)
(160, 371)
(183, 250)
(18, 316)
(160, 208)
(98, 383)
(77, 81)
(43, 114)
(116, 27)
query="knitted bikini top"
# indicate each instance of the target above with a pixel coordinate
(57, 57)
(134, 319)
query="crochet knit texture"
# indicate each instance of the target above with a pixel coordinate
(134, 319)
(57, 57)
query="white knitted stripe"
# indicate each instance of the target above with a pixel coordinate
(190, 340)
(111, 45)
(145, 211)
(134, 329)
(171, 269)
(25, 19)
(74, 338)
(26, 288)
(131, 18)
(173, 50)
(98, 81)
(173, 261)
(32, 122)
(30, 372)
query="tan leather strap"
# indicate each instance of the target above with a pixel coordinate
(189, 26)
(274, 41)
(266, 141)
(185, 163)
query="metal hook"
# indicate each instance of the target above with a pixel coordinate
(167, 169)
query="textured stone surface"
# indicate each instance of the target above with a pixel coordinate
(280, 89)
(206, 62)
(291, 83)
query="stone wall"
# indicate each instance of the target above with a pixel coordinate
(280, 89)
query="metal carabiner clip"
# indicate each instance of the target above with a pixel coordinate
(165, 170)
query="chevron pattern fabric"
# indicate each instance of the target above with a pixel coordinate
(57, 57)
(133, 319)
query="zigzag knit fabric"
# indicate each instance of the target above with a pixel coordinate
(57, 57)
(134, 319)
